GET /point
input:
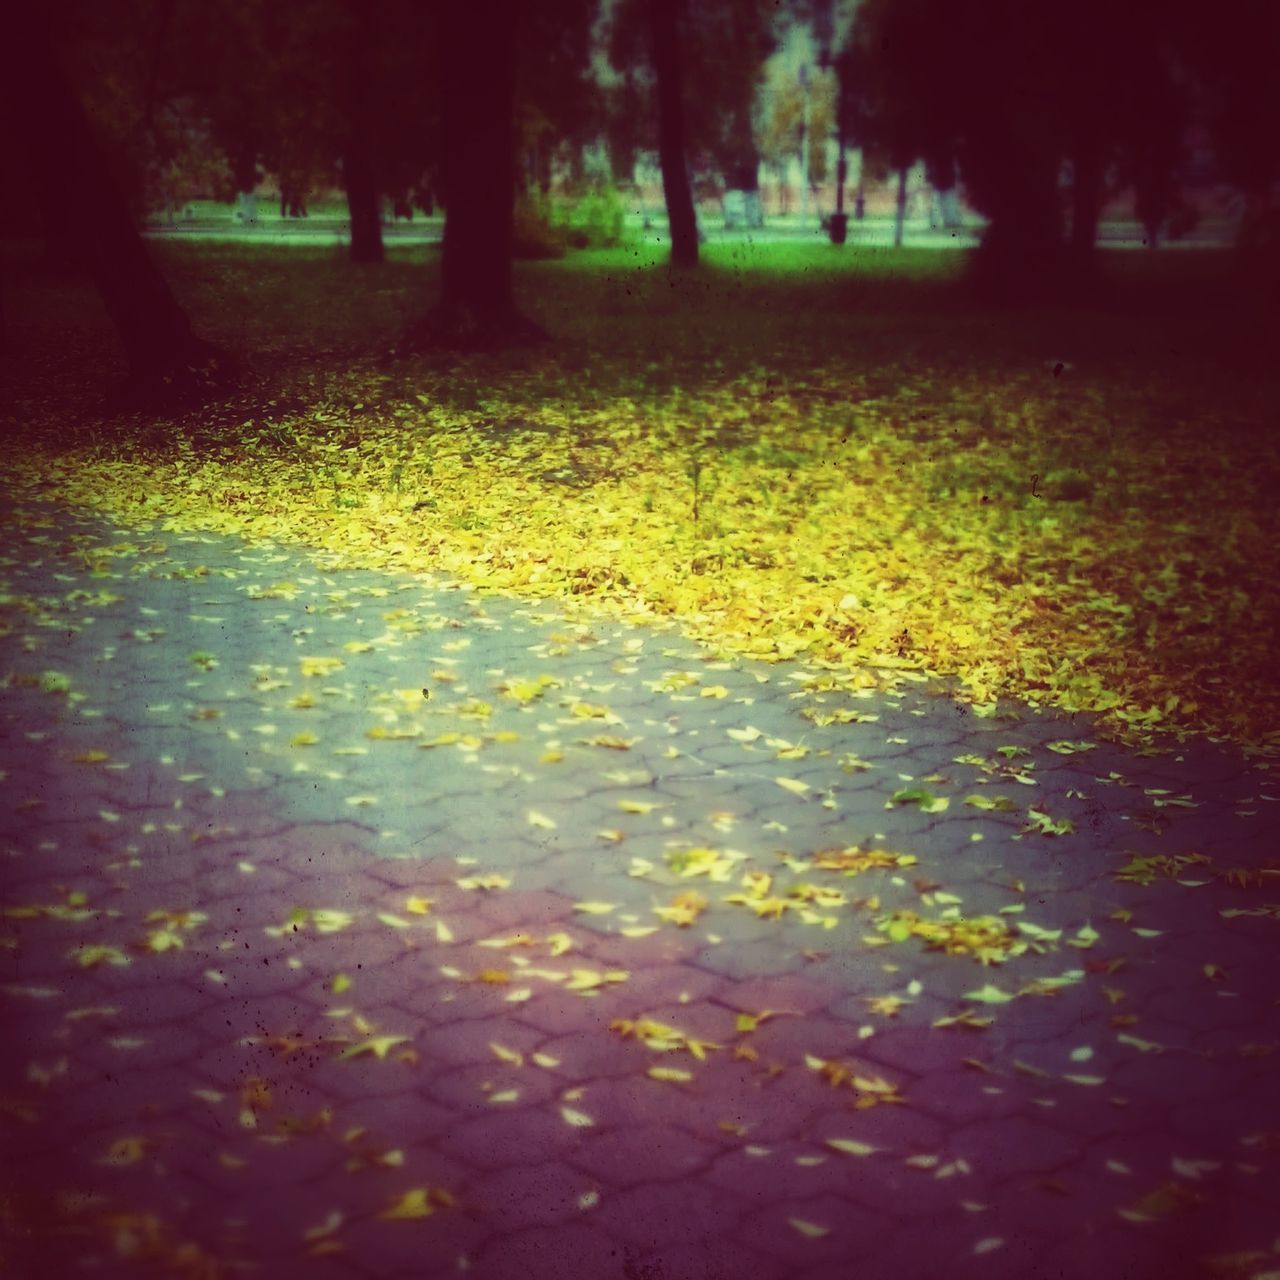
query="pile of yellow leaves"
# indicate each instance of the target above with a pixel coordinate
(1028, 538)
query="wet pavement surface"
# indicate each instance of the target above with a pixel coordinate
(360, 925)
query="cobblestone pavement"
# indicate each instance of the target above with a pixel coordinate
(357, 925)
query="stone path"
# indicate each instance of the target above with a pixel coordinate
(360, 926)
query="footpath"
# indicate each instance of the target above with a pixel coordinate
(361, 925)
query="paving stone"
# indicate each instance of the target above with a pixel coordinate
(587, 1055)
(713, 1259)
(1168, 1078)
(550, 1253)
(641, 1153)
(531, 1195)
(235, 1019)
(654, 1215)
(525, 1137)
(441, 1246)
(631, 1100)
(1014, 1145)
(471, 1090)
(561, 1013)
(770, 1229)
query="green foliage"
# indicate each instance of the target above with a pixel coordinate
(594, 220)
(546, 227)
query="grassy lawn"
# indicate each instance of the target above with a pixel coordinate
(796, 452)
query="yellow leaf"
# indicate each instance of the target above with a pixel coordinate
(330, 920)
(684, 909)
(304, 739)
(886, 1005)
(537, 819)
(127, 1151)
(851, 1146)
(418, 906)
(714, 691)
(793, 785)
(494, 880)
(392, 922)
(578, 1119)
(418, 1202)
(810, 1229)
(638, 806)
(989, 994)
(339, 983)
(507, 1055)
(595, 908)
(673, 1075)
(320, 666)
(89, 956)
(91, 757)
(1136, 1042)
(379, 1046)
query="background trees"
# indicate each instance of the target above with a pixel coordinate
(1026, 102)
(68, 166)
(1037, 115)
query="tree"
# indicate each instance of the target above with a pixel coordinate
(477, 68)
(559, 105)
(722, 46)
(166, 360)
(1015, 95)
(1233, 59)
(668, 68)
(358, 175)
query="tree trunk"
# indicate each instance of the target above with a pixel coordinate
(1086, 197)
(665, 33)
(166, 360)
(478, 66)
(362, 201)
(1023, 254)
(900, 209)
(358, 177)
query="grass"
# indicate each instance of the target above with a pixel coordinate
(798, 451)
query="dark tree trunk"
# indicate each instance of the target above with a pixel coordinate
(1086, 197)
(900, 209)
(362, 202)
(665, 32)
(358, 176)
(1023, 254)
(478, 71)
(166, 360)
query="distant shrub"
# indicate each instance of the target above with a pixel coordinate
(595, 219)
